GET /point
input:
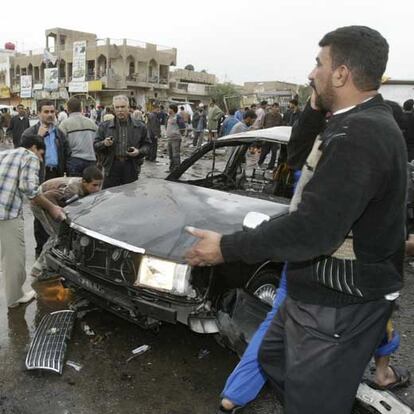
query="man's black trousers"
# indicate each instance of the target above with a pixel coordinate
(316, 355)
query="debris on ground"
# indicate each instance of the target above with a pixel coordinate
(138, 351)
(87, 329)
(74, 365)
(203, 353)
(126, 377)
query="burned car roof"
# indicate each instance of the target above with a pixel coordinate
(278, 134)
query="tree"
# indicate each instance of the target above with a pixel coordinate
(189, 67)
(228, 90)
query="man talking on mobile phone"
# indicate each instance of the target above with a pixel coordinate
(122, 143)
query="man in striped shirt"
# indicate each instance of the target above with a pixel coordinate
(19, 175)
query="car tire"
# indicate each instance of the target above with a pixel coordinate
(265, 285)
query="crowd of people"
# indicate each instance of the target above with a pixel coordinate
(343, 272)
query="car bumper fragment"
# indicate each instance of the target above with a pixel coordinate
(48, 347)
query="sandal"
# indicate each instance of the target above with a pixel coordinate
(402, 376)
(233, 410)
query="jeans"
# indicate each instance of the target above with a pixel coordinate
(198, 138)
(248, 378)
(152, 156)
(266, 148)
(174, 148)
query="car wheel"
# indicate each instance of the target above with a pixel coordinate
(264, 286)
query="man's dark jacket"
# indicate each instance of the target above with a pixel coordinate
(154, 125)
(196, 118)
(408, 131)
(16, 128)
(62, 149)
(137, 137)
(358, 188)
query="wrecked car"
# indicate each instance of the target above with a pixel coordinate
(123, 247)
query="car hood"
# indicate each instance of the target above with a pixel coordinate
(152, 214)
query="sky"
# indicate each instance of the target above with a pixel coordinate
(238, 41)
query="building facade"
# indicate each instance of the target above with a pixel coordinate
(112, 66)
(191, 86)
(397, 90)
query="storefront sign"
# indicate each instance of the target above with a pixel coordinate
(51, 79)
(78, 86)
(79, 61)
(26, 86)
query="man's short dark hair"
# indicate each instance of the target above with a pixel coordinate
(182, 108)
(232, 111)
(363, 50)
(294, 102)
(263, 103)
(275, 105)
(43, 103)
(29, 140)
(92, 173)
(408, 105)
(250, 114)
(74, 105)
(174, 108)
(20, 106)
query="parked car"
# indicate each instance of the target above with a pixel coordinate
(123, 247)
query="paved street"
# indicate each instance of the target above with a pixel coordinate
(182, 373)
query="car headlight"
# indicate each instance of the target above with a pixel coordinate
(164, 275)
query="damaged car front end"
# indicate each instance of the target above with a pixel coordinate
(123, 248)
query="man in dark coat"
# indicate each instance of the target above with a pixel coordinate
(18, 124)
(122, 144)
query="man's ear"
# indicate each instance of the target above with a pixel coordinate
(341, 75)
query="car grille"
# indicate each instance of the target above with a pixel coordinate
(48, 347)
(101, 259)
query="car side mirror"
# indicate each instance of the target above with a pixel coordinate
(254, 219)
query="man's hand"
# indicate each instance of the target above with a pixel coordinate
(43, 130)
(133, 152)
(108, 141)
(313, 99)
(57, 213)
(206, 252)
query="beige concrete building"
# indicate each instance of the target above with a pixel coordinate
(271, 91)
(113, 66)
(191, 86)
(267, 87)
